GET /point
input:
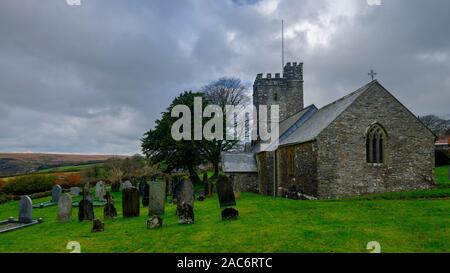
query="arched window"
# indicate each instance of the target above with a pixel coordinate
(275, 97)
(375, 144)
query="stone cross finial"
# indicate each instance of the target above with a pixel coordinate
(372, 74)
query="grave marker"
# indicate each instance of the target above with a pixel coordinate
(157, 198)
(130, 202)
(25, 210)
(64, 213)
(56, 192)
(100, 191)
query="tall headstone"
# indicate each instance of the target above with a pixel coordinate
(56, 193)
(64, 213)
(25, 210)
(100, 191)
(130, 202)
(86, 207)
(185, 202)
(109, 211)
(168, 180)
(144, 191)
(157, 198)
(207, 187)
(227, 198)
(225, 192)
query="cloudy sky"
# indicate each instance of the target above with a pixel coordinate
(93, 78)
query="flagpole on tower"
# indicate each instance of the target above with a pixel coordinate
(282, 45)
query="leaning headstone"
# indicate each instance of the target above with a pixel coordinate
(109, 211)
(100, 191)
(130, 202)
(86, 207)
(56, 193)
(65, 208)
(225, 192)
(98, 226)
(157, 198)
(185, 202)
(75, 191)
(126, 185)
(25, 210)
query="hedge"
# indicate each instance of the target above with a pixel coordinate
(29, 184)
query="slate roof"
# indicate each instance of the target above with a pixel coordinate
(239, 163)
(310, 129)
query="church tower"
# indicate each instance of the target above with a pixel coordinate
(285, 91)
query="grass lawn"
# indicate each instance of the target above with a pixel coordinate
(401, 222)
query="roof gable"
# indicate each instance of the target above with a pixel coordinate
(323, 118)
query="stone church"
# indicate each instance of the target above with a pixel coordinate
(366, 142)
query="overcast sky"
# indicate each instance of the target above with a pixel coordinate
(93, 78)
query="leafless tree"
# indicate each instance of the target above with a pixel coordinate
(436, 124)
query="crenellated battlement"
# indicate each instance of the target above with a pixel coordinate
(291, 71)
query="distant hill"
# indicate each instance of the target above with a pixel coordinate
(21, 163)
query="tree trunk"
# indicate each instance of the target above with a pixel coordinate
(193, 175)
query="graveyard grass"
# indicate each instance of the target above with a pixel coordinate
(401, 222)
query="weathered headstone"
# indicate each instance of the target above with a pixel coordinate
(75, 191)
(130, 202)
(126, 185)
(25, 210)
(56, 193)
(98, 226)
(225, 192)
(100, 191)
(65, 208)
(86, 207)
(157, 198)
(185, 202)
(227, 198)
(109, 211)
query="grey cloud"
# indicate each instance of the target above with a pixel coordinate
(94, 78)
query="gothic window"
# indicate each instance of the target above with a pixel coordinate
(275, 97)
(375, 144)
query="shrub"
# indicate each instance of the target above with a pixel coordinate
(29, 184)
(5, 198)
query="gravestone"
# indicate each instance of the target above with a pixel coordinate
(98, 226)
(109, 211)
(126, 185)
(56, 193)
(130, 202)
(142, 186)
(227, 198)
(64, 213)
(25, 210)
(86, 207)
(185, 202)
(157, 198)
(75, 191)
(225, 192)
(100, 191)
(175, 186)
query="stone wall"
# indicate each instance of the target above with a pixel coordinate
(245, 182)
(297, 171)
(409, 149)
(265, 161)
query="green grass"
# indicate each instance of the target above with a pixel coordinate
(401, 222)
(442, 176)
